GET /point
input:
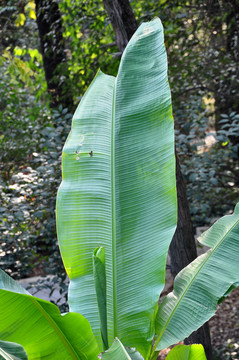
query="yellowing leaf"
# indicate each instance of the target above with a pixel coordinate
(79, 35)
(30, 8)
(7, 54)
(32, 5)
(32, 14)
(20, 20)
(18, 51)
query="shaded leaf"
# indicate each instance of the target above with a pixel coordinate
(200, 285)
(12, 351)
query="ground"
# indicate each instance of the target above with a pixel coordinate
(224, 327)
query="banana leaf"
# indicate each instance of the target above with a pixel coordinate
(200, 285)
(187, 352)
(12, 351)
(116, 351)
(40, 329)
(100, 287)
(118, 191)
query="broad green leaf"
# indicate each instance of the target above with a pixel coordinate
(134, 355)
(200, 285)
(118, 191)
(83, 212)
(12, 351)
(38, 326)
(116, 352)
(187, 352)
(100, 286)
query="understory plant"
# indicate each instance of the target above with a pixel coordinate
(116, 215)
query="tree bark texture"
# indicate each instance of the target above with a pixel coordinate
(183, 247)
(122, 19)
(53, 52)
(183, 251)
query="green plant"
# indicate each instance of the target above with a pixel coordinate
(209, 160)
(116, 215)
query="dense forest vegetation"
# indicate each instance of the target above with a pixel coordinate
(50, 52)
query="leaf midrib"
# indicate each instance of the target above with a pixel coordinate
(115, 325)
(57, 329)
(190, 283)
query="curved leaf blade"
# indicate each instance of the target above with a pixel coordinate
(38, 326)
(7, 283)
(12, 351)
(200, 285)
(116, 351)
(134, 355)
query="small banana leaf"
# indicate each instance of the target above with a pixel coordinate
(187, 352)
(38, 326)
(116, 352)
(200, 285)
(100, 287)
(118, 192)
(12, 351)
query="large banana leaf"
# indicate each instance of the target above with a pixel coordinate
(200, 285)
(118, 191)
(38, 326)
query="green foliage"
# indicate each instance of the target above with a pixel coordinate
(17, 25)
(211, 173)
(89, 40)
(92, 202)
(203, 57)
(203, 74)
(209, 160)
(29, 162)
(200, 285)
(51, 335)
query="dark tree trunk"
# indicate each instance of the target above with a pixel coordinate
(183, 248)
(183, 251)
(53, 52)
(122, 19)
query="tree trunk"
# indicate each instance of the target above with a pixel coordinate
(182, 248)
(53, 52)
(183, 251)
(122, 19)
